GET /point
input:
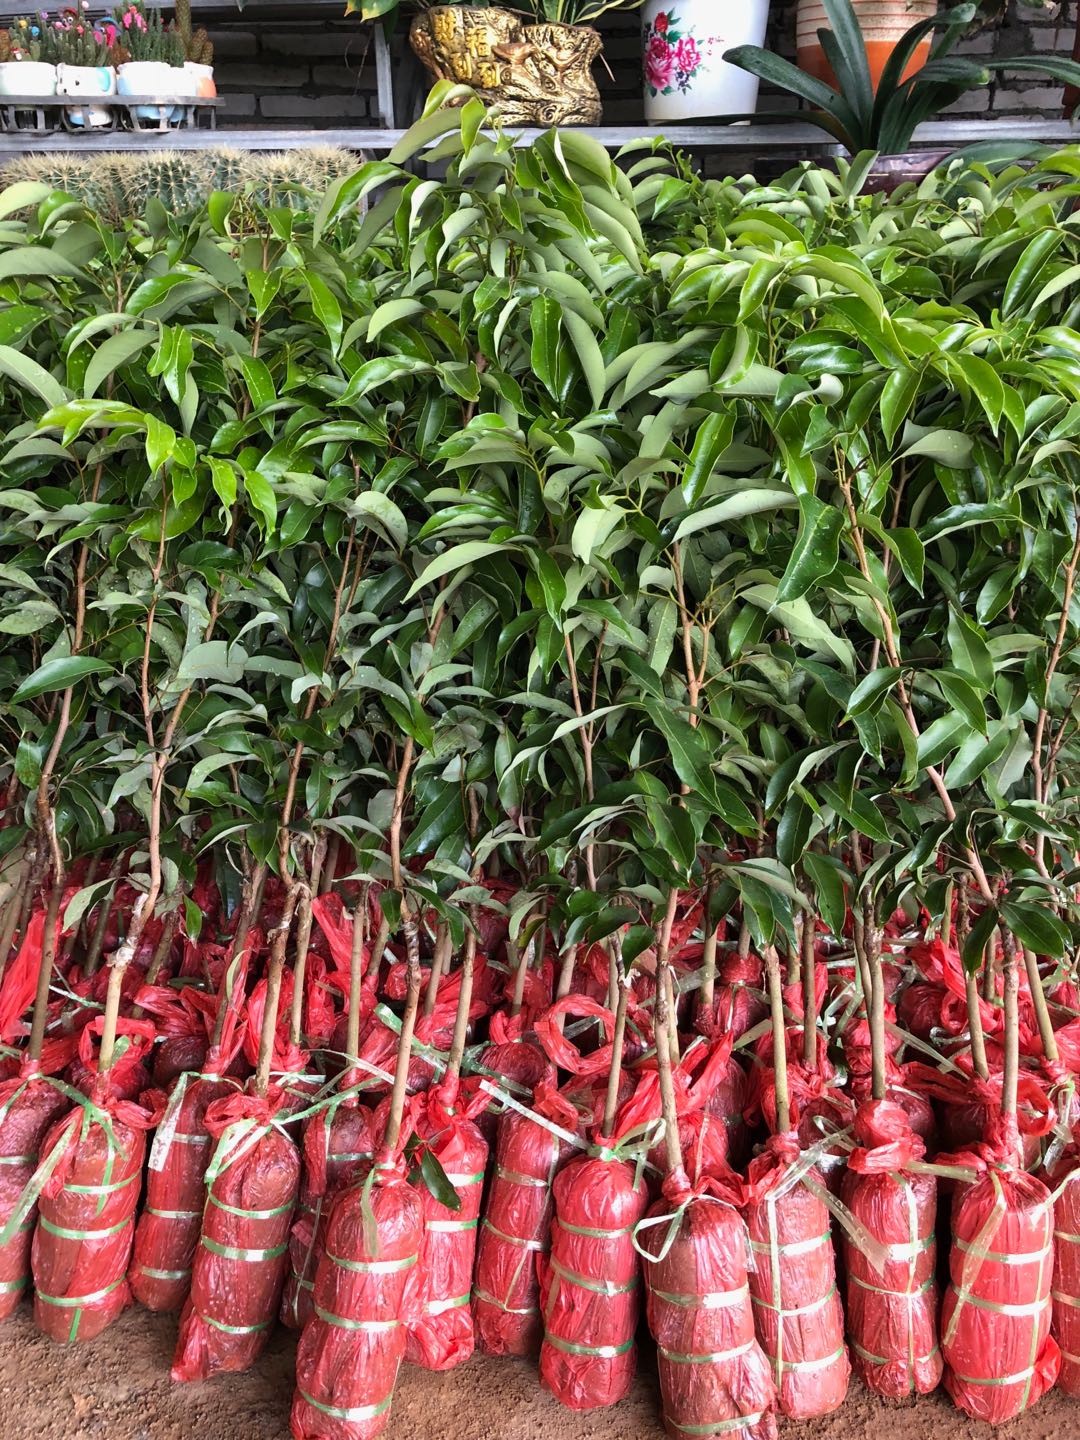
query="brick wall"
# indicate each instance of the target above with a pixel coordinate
(320, 73)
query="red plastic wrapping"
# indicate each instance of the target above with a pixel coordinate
(128, 1074)
(517, 1226)
(703, 1135)
(714, 1376)
(242, 1255)
(338, 1148)
(797, 1310)
(892, 1312)
(441, 1336)
(29, 1106)
(86, 1217)
(350, 1352)
(995, 1323)
(1067, 1281)
(589, 1283)
(171, 1219)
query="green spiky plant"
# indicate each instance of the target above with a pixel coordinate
(198, 46)
(70, 42)
(143, 35)
(885, 120)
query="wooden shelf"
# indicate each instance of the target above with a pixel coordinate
(760, 139)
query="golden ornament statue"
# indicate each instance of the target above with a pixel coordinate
(535, 74)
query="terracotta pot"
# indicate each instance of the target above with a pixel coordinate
(203, 75)
(536, 74)
(883, 23)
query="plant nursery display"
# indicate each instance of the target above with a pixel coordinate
(539, 751)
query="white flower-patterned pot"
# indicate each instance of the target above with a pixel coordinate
(27, 77)
(686, 77)
(87, 82)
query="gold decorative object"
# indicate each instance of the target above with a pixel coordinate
(535, 74)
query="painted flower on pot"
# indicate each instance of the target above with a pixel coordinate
(672, 58)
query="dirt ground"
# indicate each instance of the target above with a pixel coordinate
(118, 1388)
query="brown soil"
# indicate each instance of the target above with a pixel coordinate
(118, 1388)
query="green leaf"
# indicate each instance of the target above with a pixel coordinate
(735, 507)
(817, 548)
(437, 1181)
(712, 439)
(1037, 928)
(327, 310)
(977, 939)
(871, 689)
(31, 376)
(969, 651)
(859, 812)
(60, 673)
(826, 875)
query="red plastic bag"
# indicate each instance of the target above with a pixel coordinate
(1067, 1281)
(29, 1106)
(517, 1225)
(995, 1323)
(589, 1283)
(242, 1255)
(892, 1312)
(714, 1376)
(93, 1160)
(441, 1336)
(171, 1219)
(338, 1149)
(797, 1310)
(350, 1352)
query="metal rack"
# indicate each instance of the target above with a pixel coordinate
(41, 116)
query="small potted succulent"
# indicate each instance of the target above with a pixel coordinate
(81, 52)
(686, 76)
(24, 68)
(198, 51)
(151, 60)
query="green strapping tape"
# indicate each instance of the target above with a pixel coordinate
(373, 1267)
(373, 1326)
(235, 1252)
(8, 1287)
(102, 1189)
(785, 1310)
(884, 1360)
(602, 1352)
(596, 1234)
(803, 1365)
(516, 1178)
(18, 1160)
(601, 1287)
(908, 1295)
(486, 1299)
(1065, 1235)
(235, 1329)
(712, 1359)
(353, 1413)
(964, 1297)
(66, 1234)
(513, 1239)
(450, 1227)
(794, 1247)
(711, 1300)
(250, 1214)
(996, 1381)
(718, 1427)
(164, 1274)
(1060, 1298)
(1027, 1257)
(79, 1302)
(172, 1214)
(437, 1307)
(461, 1180)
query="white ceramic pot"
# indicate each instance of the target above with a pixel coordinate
(87, 82)
(204, 79)
(153, 77)
(686, 77)
(27, 77)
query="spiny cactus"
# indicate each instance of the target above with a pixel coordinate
(180, 179)
(75, 174)
(291, 179)
(197, 43)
